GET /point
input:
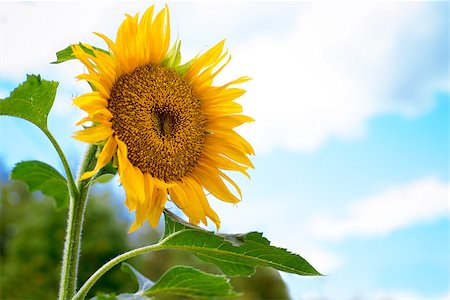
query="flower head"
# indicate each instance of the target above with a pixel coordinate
(167, 126)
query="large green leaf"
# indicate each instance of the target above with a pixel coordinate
(189, 282)
(42, 177)
(234, 254)
(32, 101)
(179, 281)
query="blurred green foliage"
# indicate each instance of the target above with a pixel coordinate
(32, 236)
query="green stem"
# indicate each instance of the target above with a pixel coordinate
(75, 220)
(106, 267)
(73, 190)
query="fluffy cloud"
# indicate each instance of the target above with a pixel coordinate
(339, 66)
(396, 208)
(320, 70)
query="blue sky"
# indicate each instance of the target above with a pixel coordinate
(351, 102)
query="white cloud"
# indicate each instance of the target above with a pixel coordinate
(341, 65)
(420, 201)
(322, 74)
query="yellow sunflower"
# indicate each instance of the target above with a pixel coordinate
(167, 128)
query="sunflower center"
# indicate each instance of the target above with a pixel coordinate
(166, 123)
(158, 116)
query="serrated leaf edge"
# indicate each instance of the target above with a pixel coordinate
(257, 261)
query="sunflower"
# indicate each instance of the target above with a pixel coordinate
(166, 127)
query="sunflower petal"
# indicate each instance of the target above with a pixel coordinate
(104, 157)
(222, 162)
(94, 134)
(205, 60)
(88, 101)
(234, 138)
(179, 195)
(159, 31)
(214, 184)
(143, 36)
(228, 122)
(131, 177)
(229, 149)
(157, 207)
(200, 196)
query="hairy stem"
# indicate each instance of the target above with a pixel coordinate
(74, 229)
(73, 190)
(106, 267)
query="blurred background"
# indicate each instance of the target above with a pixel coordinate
(32, 235)
(351, 101)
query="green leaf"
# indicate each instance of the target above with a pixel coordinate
(32, 101)
(179, 281)
(67, 53)
(234, 254)
(189, 282)
(42, 177)
(64, 55)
